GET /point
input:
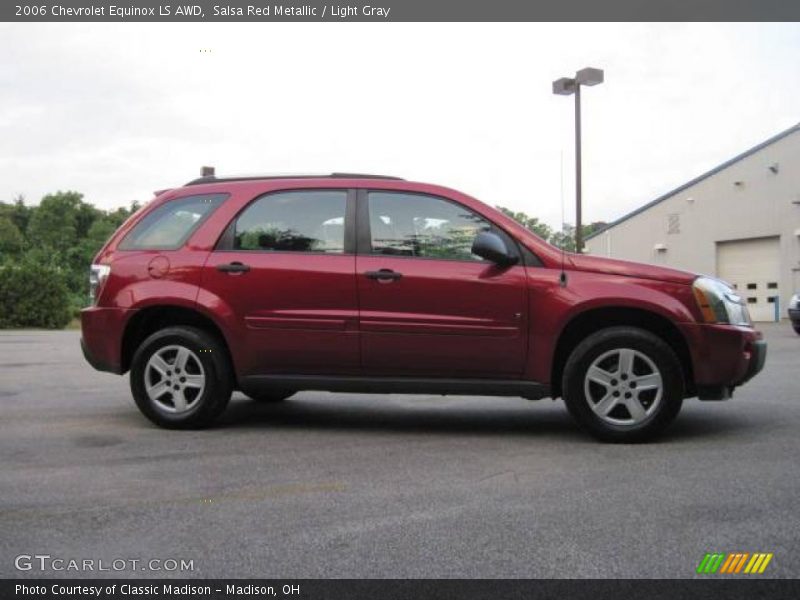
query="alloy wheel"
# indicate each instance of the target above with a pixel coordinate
(174, 379)
(623, 387)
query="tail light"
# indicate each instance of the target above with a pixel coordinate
(97, 277)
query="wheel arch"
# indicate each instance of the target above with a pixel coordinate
(592, 320)
(150, 319)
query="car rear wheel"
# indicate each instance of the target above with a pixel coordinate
(272, 396)
(623, 384)
(796, 328)
(181, 378)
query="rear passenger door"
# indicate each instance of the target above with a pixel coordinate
(285, 268)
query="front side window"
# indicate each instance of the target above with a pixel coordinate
(297, 221)
(170, 225)
(422, 226)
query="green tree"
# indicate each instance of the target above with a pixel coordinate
(17, 212)
(85, 216)
(533, 224)
(56, 241)
(593, 227)
(121, 214)
(565, 239)
(97, 235)
(100, 231)
(54, 223)
(11, 239)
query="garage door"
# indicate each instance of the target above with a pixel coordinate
(753, 267)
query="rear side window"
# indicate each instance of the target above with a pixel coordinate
(297, 221)
(170, 225)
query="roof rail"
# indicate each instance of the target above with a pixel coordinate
(214, 179)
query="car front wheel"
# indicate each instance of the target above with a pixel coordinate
(180, 378)
(623, 384)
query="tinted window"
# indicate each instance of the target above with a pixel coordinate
(422, 226)
(303, 221)
(170, 225)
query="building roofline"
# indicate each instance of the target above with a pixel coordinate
(696, 180)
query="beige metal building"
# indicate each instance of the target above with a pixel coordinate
(740, 222)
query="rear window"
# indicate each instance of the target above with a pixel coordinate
(170, 225)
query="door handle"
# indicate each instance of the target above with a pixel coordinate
(384, 275)
(234, 267)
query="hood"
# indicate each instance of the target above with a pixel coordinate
(599, 264)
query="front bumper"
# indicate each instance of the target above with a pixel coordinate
(758, 356)
(723, 357)
(794, 315)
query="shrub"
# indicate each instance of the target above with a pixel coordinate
(32, 295)
(77, 302)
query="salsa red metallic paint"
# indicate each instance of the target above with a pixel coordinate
(309, 314)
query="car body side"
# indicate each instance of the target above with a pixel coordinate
(568, 296)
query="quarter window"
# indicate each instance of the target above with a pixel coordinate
(422, 226)
(301, 221)
(170, 225)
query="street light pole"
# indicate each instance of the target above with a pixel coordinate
(564, 87)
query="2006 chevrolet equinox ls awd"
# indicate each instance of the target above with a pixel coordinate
(357, 283)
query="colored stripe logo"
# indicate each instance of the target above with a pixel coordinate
(734, 563)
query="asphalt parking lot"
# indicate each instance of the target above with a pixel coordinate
(335, 485)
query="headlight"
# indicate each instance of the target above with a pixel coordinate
(97, 275)
(719, 303)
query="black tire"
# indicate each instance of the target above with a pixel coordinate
(206, 404)
(646, 347)
(796, 328)
(272, 396)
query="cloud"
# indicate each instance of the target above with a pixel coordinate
(118, 110)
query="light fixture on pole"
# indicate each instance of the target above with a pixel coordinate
(565, 87)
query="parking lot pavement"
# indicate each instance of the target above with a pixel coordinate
(335, 485)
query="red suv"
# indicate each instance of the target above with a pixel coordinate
(356, 283)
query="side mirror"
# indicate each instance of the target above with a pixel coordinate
(490, 246)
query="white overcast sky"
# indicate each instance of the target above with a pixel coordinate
(116, 111)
